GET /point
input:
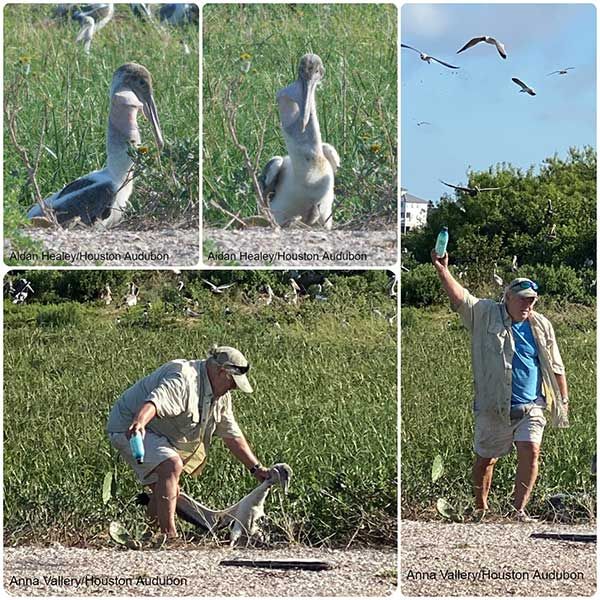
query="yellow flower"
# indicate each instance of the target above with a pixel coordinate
(142, 149)
(375, 148)
(24, 60)
(245, 56)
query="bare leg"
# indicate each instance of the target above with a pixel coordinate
(483, 470)
(528, 454)
(166, 490)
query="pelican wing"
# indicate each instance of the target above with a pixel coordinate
(270, 176)
(332, 156)
(499, 47)
(87, 199)
(524, 86)
(457, 187)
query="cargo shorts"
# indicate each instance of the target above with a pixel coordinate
(494, 437)
(157, 449)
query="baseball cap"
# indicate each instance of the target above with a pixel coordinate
(521, 286)
(235, 363)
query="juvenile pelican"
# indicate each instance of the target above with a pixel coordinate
(100, 13)
(301, 184)
(524, 87)
(102, 196)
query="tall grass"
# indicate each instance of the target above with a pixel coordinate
(61, 99)
(436, 416)
(356, 103)
(324, 402)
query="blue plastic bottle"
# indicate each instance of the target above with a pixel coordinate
(442, 242)
(136, 443)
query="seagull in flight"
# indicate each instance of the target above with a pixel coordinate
(217, 289)
(524, 87)
(423, 123)
(561, 71)
(428, 58)
(472, 191)
(488, 40)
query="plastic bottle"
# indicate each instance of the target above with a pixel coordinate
(441, 243)
(136, 443)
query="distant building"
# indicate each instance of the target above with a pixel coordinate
(413, 211)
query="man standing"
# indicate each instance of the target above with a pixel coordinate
(518, 372)
(177, 409)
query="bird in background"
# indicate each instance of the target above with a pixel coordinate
(524, 87)
(561, 71)
(472, 191)
(427, 58)
(488, 40)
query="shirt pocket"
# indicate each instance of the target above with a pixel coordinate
(495, 338)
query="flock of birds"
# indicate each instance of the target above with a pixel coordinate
(501, 51)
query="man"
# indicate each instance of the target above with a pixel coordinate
(177, 409)
(518, 372)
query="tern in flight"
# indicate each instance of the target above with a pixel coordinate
(524, 87)
(472, 191)
(561, 71)
(428, 58)
(217, 289)
(488, 40)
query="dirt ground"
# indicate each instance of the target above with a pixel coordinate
(494, 559)
(61, 571)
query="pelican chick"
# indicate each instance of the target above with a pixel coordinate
(488, 40)
(524, 87)
(101, 197)
(300, 185)
(427, 58)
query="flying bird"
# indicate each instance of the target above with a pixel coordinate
(218, 289)
(472, 191)
(423, 123)
(524, 87)
(101, 197)
(488, 40)
(561, 71)
(300, 185)
(427, 58)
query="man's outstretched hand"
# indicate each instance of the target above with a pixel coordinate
(439, 263)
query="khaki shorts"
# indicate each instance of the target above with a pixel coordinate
(157, 449)
(494, 437)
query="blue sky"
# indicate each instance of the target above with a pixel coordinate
(478, 117)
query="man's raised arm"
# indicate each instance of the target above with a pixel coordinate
(454, 290)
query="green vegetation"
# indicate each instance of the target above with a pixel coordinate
(356, 104)
(555, 246)
(325, 400)
(437, 394)
(57, 98)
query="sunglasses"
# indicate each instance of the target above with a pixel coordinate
(525, 285)
(236, 369)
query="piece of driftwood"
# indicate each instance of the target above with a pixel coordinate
(588, 538)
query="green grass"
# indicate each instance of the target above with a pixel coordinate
(436, 416)
(356, 103)
(324, 402)
(69, 92)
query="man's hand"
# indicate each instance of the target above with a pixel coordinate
(439, 263)
(262, 473)
(136, 427)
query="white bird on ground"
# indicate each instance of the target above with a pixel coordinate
(22, 289)
(242, 517)
(427, 58)
(217, 289)
(300, 185)
(497, 279)
(102, 196)
(86, 33)
(131, 298)
(268, 299)
(180, 285)
(106, 295)
(514, 267)
(188, 312)
(561, 71)
(488, 40)
(296, 289)
(392, 285)
(524, 87)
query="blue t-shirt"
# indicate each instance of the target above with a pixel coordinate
(526, 378)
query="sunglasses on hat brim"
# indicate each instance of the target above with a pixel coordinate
(525, 285)
(236, 369)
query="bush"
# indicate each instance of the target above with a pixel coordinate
(421, 287)
(563, 283)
